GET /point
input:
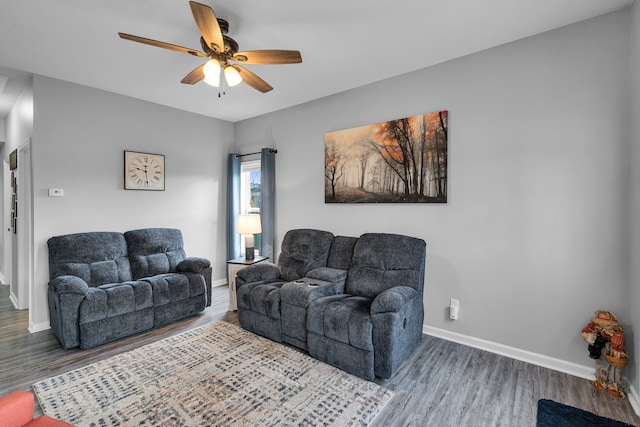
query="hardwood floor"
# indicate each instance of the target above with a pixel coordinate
(442, 384)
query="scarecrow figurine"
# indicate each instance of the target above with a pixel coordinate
(605, 333)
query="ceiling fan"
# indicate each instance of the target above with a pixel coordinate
(221, 49)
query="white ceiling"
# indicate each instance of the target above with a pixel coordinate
(344, 43)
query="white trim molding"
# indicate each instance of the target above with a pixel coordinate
(219, 282)
(634, 399)
(13, 300)
(39, 327)
(581, 371)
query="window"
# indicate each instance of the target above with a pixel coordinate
(250, 191)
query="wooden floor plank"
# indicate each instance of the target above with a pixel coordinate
(442, 384)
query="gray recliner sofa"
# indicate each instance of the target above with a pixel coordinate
(360, 307)
(107, 285)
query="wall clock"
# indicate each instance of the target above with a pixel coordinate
(143, 171)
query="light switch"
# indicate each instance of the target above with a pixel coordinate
(56, 192)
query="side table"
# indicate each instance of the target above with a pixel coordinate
(233, 266)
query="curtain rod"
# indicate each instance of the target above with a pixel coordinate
(271, 151)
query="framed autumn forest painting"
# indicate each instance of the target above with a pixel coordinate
(398, 161)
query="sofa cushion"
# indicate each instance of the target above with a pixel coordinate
(150, 265)
(342, 318)
(97, 257)
(114, 299)
(382, 261)
(341, 252)
(154, 251)
(141, 294)
(171, 287)
(303, 250)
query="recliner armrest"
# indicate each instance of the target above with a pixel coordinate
(327, 274)
(65, 294)
(258, 272)
(393, 299)
(193, 265)
(68, 285)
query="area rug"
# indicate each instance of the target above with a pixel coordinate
(214, 375)
(554, 414)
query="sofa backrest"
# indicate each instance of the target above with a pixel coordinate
(341, 252)
(95, 257)
(303, 250)
(382, 261)
(154, 251)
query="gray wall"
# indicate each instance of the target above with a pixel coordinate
(631, 332)
(532, 239)
(78, 142)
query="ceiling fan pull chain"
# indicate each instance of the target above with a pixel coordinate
(223, 82)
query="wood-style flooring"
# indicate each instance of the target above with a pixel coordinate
(442, 384)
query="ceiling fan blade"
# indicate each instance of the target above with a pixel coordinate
(268, 57)
(252, 80)
(195, 76)
(208, 26)
(163, 45)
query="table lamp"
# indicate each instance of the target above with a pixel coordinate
(249, 224)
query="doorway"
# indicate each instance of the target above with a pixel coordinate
(20, 228)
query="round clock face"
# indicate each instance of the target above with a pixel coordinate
(144, 171)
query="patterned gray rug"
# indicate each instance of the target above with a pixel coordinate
(214, 375)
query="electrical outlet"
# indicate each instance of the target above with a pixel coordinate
(454, 308)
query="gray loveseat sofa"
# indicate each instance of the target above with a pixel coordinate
(355, 303)
(107, 285)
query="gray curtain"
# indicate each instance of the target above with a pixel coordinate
(234, 243)
(267, 200)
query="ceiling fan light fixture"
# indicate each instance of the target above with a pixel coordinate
(232, 76)
(211, 72)
(212, 80)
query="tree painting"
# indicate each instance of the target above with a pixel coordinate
(399, 161)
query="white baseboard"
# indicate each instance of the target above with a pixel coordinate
(581, 371)
(38, 327)
(219, 282)
(634, 399)
(13, 300)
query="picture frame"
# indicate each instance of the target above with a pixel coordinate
(397, 161)
(13, 160)
(144, 171)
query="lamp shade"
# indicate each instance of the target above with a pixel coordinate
(248, 224)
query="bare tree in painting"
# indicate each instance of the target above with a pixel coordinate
(333, 165)
(438, 154)
(363, 160)
(423, 149)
